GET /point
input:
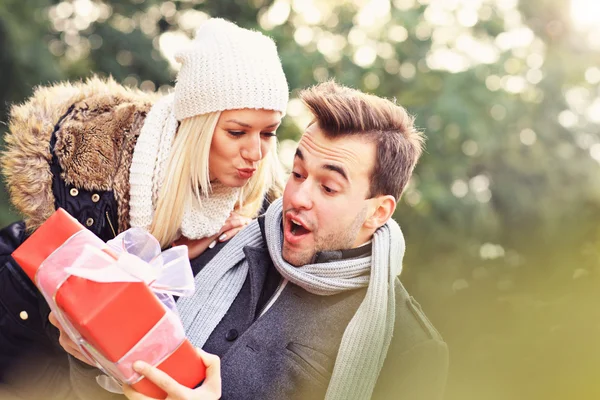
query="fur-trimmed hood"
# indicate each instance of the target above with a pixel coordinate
(97, 123)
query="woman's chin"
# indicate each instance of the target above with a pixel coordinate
(232, 182)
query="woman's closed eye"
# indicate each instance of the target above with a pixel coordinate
(296, 175)
(266, 135)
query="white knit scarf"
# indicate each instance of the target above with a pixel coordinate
(367, 337)
(147, 175)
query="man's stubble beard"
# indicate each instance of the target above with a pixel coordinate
(341, 240)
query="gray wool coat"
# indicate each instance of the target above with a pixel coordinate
(289, 352)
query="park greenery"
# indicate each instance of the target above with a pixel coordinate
(501, 216)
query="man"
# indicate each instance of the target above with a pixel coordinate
(305, 302)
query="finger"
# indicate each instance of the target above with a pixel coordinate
(235, 221)
(132, 394)
(237, 224)
(70, 347)
(197, 247)
(213, 371)
(65, 341)
(53, 320)
(160, 379)
(230, 233)
(226, 226)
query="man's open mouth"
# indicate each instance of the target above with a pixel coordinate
(297, 229)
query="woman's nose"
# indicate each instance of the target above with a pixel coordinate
(252, 150)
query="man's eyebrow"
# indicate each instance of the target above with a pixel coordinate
(245, 125)
(329, 167)
(338, 169)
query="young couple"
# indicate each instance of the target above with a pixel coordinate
(303, 301)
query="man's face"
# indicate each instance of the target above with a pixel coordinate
(324, 202)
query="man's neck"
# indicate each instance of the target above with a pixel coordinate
(337, 255)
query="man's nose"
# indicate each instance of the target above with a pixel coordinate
(301, 197)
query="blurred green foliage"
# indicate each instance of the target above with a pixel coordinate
(501, 216)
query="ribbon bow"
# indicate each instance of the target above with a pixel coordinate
(134, 256)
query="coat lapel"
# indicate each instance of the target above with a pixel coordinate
(259, 262)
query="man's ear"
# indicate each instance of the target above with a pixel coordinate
(380, 212)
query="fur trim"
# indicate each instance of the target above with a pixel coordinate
(94, 143)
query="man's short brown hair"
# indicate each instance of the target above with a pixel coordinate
(340, 110)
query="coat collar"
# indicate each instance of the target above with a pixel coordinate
(263, 278)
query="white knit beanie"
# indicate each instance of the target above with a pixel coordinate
(227, 68)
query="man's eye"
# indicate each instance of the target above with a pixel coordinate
(328, 189)
(236, 133)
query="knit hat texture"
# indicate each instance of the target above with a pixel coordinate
(227, 68)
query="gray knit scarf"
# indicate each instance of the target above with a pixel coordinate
(367, 337)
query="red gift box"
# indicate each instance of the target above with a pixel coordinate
(107, 314)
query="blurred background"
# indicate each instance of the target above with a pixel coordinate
(501, 217)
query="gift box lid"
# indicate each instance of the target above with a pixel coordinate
(59, 227)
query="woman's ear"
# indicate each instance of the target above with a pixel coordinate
(380, 212)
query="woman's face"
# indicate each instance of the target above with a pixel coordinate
(241, 139)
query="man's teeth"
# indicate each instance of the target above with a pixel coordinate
(294, 227)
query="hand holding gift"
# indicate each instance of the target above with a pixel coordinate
(114, 300)
(66, 342)
(209, 390)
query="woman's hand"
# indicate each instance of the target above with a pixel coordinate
(66, 342)
(209, 390)
(232, 226)
(196, 246)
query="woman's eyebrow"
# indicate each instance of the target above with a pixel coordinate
(245, 125)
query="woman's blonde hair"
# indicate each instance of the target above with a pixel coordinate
(187, 176)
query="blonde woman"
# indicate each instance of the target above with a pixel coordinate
(191, 167)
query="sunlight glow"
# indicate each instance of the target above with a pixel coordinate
(276, 15)
(375, 12)
(585, 13)
(172, 42)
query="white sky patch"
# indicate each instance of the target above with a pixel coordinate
(527, 137)
(478, 51)
(567, 119)
(593, 111)
(308, 10)
(459, 188)
(374, 12)
(276, 15)
(520, 37)
(448, 60)
(585, 13)
(365, 56)
(191, 19)
(170, 43)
